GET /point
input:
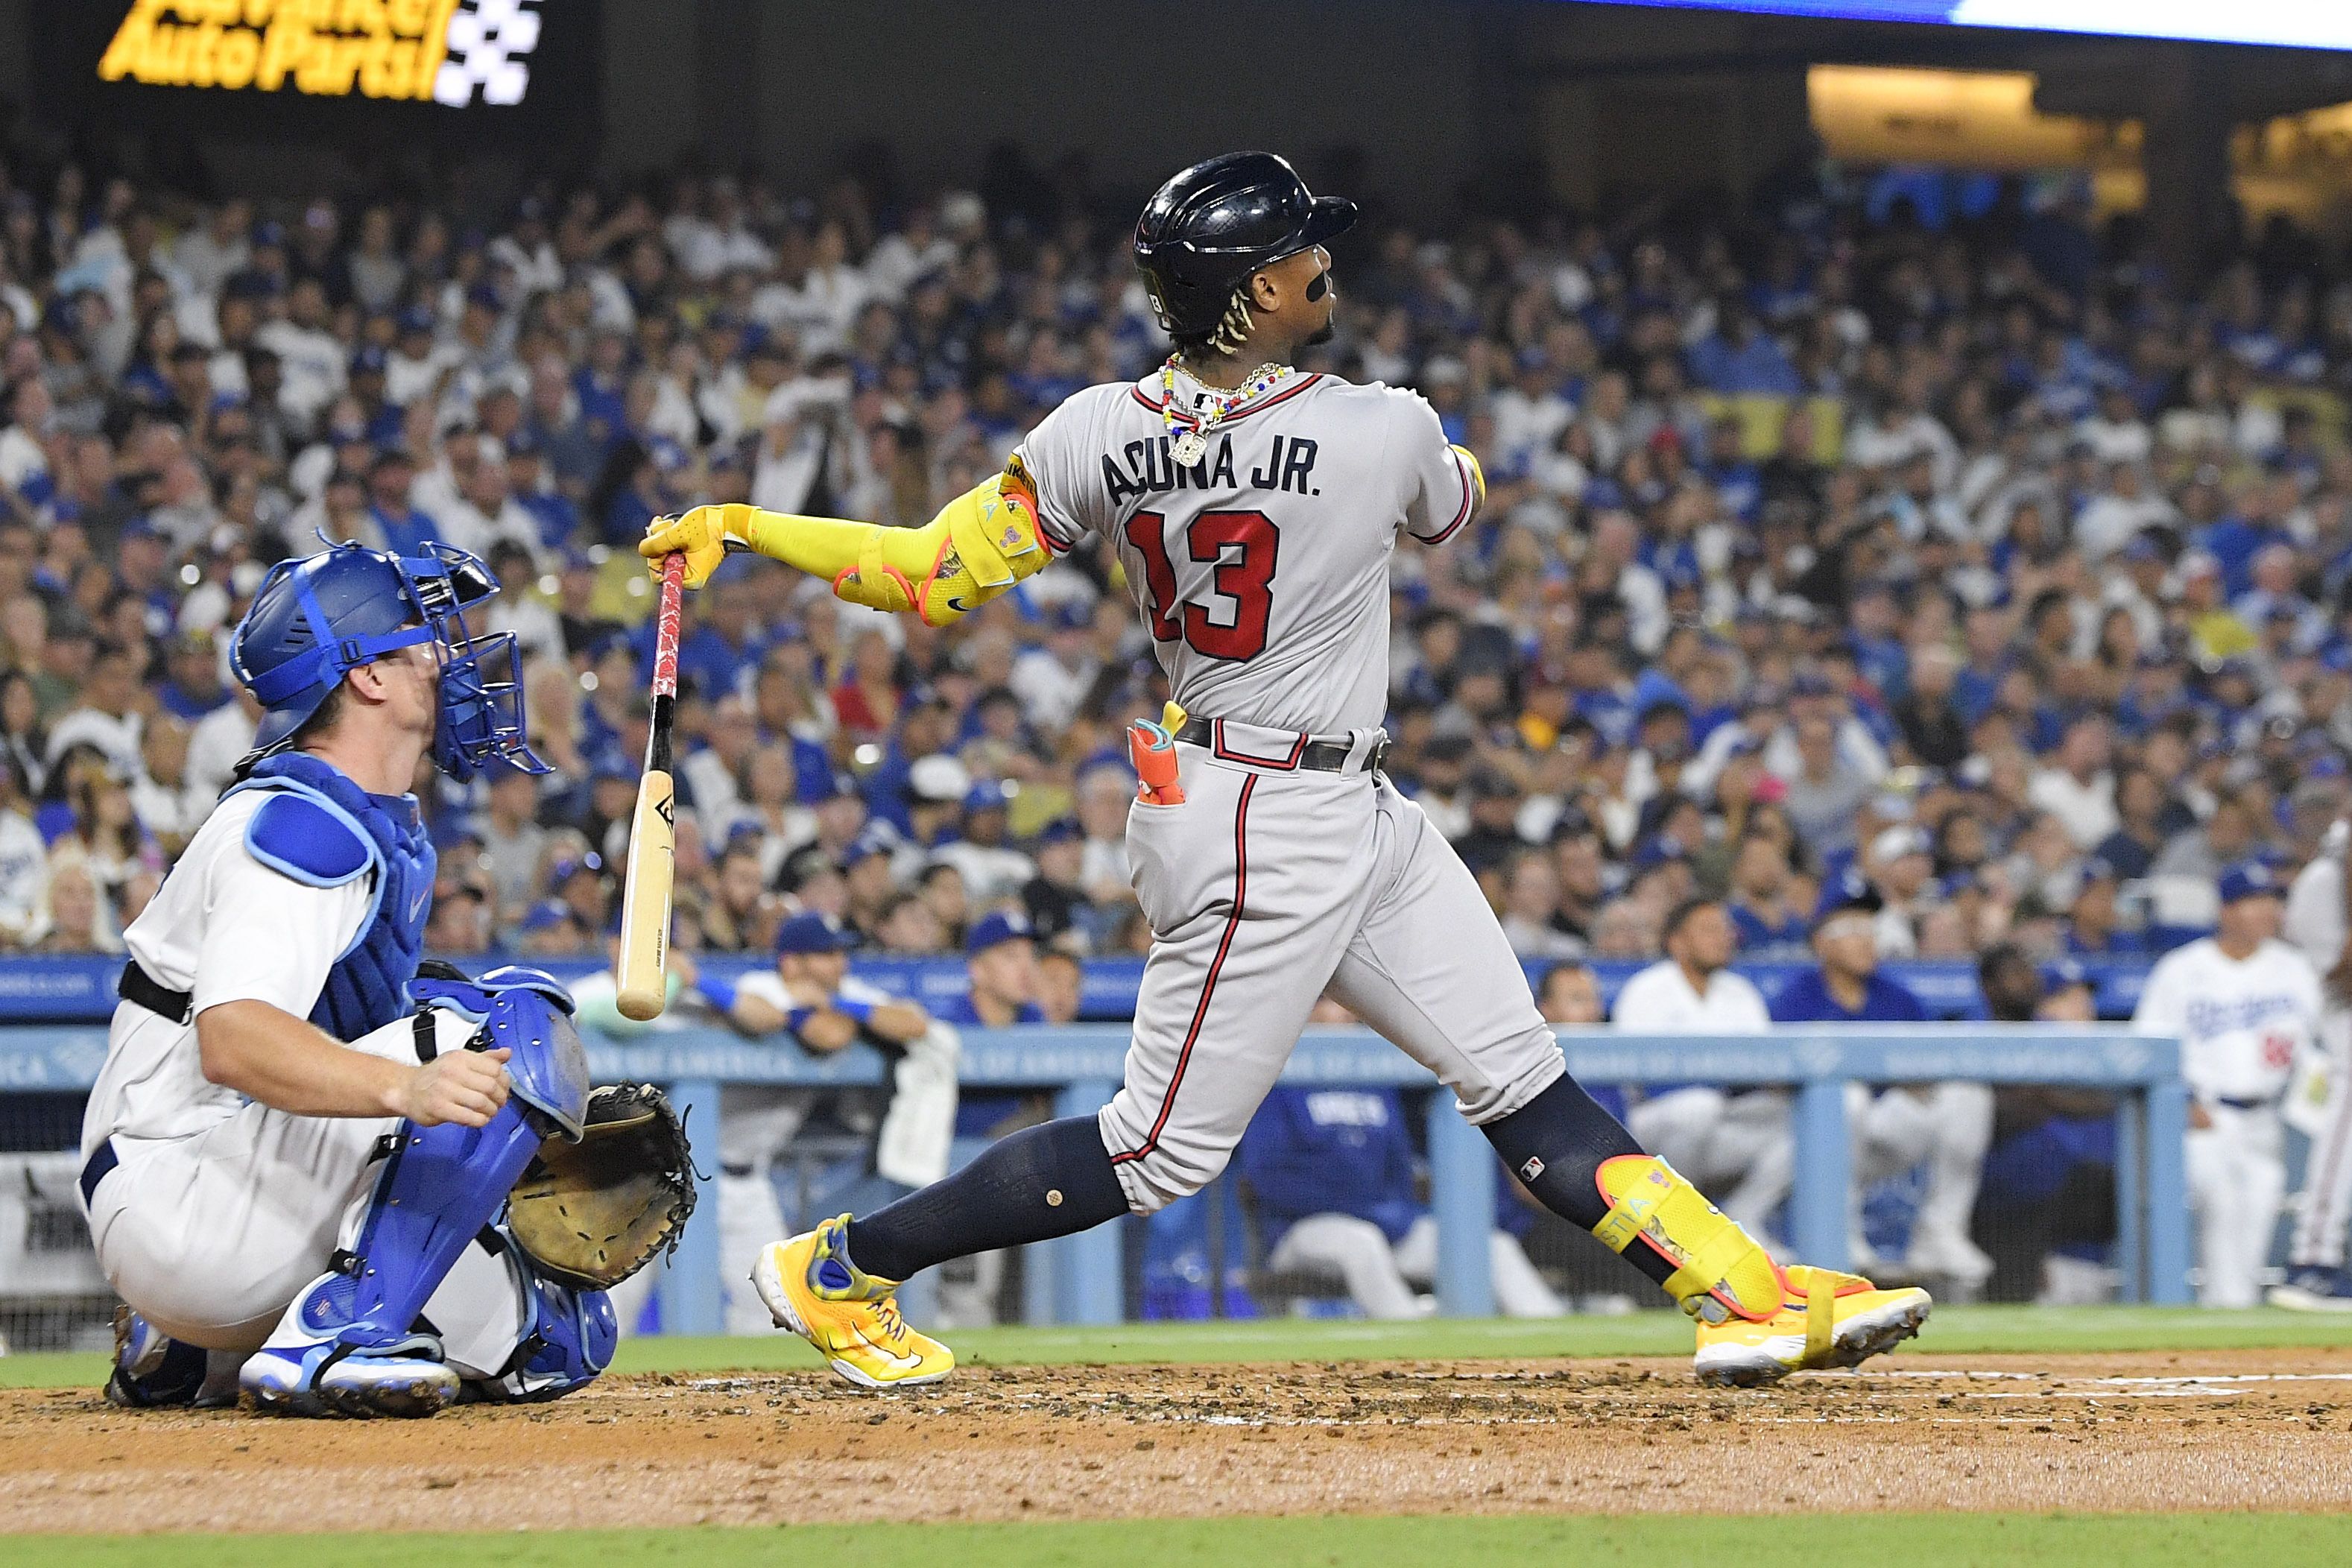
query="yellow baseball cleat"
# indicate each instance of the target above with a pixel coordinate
(850, 1316)
(1826, 1319)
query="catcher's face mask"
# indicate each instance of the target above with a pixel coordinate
(481, 677)
(315, 618)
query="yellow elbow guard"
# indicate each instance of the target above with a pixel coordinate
(1478, 474)
(1720, 1272)
(981, 543)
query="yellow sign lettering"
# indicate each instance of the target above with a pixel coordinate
(379, 76)
(158, 64)
(435, 49)
(233, 58)
(282, 49)
(202, 47)
(379, 48)
(128, 48)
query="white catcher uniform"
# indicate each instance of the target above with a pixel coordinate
(1264, 574)
(223, 1210)
(2241, 1027)
(2321, 1102)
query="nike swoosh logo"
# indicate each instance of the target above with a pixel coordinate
(416, 904)
(958, 606)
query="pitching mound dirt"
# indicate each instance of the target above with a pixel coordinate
(2258, 1429)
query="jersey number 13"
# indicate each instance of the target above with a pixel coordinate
(1243, 544)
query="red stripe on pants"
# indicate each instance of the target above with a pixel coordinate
(1208, 986)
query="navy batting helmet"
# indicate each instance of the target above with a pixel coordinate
(1205, 231)
(313, 620)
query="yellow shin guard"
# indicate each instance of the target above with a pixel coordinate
(1719, 1270)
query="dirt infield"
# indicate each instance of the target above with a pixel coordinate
(2204, 1429)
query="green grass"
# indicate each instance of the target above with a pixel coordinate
(1912, 1540)
(1953, 1331)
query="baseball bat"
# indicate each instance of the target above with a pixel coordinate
(642, 976)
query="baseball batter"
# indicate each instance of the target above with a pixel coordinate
(1255, 508)
(290, 1169)
(2245, 1007)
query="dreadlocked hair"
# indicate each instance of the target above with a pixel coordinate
(1231, 332)
(1232, 329)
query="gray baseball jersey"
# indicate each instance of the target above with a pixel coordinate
(1262, 570)
(1263, 574)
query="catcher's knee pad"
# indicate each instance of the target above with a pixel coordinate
(568, 1338)
(1720, 1272)
(528, 1014)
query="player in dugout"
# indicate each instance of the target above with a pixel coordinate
(2246, 1009)
(1947, 1125)
(1740, 1139)
(811, 996)
(1332, 1170)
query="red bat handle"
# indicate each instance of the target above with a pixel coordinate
(666, 625)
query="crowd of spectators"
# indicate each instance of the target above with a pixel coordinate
(1977, 563)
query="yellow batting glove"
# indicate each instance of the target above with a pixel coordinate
(702, 535)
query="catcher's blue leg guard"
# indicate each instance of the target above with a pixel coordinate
(568, 1338)
(351, 1341)
(153, 1370)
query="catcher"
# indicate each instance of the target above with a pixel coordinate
(297, 1147)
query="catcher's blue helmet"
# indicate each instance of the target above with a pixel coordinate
(313, 619)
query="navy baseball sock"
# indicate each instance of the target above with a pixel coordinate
(1041, 1183)
(1556, 1143)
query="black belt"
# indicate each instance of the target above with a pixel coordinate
(138, 986)
(142, 989)
(1322, 756)
(94, 1170)
(2247, 1104)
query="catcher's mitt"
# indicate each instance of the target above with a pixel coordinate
(591, 1214)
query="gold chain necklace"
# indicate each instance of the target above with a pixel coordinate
(1189, 432)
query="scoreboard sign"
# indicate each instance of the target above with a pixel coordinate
(438, 51)
(374, 78)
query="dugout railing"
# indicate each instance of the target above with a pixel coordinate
(78, 988)
(1081, 1278)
